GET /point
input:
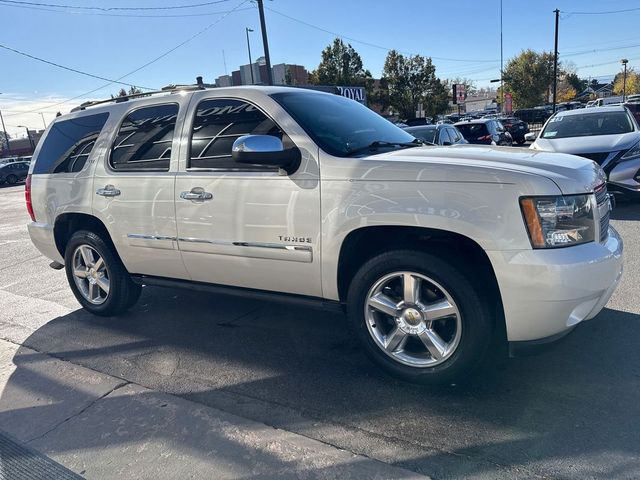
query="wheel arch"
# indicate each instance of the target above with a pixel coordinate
(467, 255)
(67, 224)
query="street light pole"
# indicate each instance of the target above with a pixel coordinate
(28, 136)
(247, 30)
(265, 42)
(624, 80)
(44, 124)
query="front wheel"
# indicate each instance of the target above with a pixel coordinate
(97, 276)
(419, 318)
(12, 179)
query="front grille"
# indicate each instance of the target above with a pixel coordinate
(596, 157)
(602, 197)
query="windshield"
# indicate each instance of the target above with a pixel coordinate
(587, 124)
(338, 125)
(425, 134)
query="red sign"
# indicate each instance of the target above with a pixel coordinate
(508, 103)
(460, 93)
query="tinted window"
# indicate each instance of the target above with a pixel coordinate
(472, 131)
(144, 140)
(338, 125)
(218, 123)
(455, 135)
(587, 124)
(69, 143)
(444, 136)
(426, 134)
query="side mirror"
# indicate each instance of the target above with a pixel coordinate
(265, 150)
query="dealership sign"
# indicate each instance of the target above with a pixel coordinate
(508, 103)
(459, 94)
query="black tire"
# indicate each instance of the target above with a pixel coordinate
(477, 316)
(12, 179)
(123, 292)
(520, 141)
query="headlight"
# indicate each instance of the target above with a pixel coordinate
(559, 221)
(633, 152)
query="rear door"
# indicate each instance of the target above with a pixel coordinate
(255, 227)
(134, 187)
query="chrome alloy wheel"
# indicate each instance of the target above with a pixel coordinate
(413, 319)
(90, 274)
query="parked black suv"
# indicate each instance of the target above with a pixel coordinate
(485, 132)
(13, 172)
(516, 127)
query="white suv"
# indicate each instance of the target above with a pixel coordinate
(434, 252)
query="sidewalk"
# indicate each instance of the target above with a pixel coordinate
(104, 427)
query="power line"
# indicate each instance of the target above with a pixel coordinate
(604, 12)
(63, 67)
(109, 9)
(368, 43)
(123, 15)
(159, 57)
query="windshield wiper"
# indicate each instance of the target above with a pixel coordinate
(380, 143)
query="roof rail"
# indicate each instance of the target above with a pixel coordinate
(166, 89)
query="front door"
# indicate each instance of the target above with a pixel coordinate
(245, 225)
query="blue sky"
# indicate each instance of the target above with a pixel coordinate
(463, 37)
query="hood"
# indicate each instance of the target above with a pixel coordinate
(474, 163)
(593, 144)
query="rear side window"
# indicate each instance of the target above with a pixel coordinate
(68, 144)
(473, 130)
(218, 123)
(144, 140)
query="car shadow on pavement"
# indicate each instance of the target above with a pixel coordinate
(626, 211)
(572, 412)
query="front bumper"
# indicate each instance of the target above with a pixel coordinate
(548, 292)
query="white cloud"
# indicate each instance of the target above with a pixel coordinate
(19, 109)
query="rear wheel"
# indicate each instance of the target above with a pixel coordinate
(97, 276)
(12, 179)
(520, 141)
(419, 318)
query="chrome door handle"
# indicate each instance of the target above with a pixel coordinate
(197, 194)
(108, 191)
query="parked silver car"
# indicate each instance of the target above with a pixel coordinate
(609, 136)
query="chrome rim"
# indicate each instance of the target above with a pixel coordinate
(413, 319)
(90, 274)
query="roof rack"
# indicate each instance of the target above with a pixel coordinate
(199, 85)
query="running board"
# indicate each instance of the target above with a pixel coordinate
(276, 297)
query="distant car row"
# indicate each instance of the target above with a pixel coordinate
(483, 131)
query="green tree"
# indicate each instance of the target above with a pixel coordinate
(528, 77)
(123, 93)
(288, 78)
(408, 81)
(341, 65)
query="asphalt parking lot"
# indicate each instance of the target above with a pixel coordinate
(572, 412)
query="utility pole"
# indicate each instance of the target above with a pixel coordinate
(624, 80)
(247, 30)
(555, 62)
(265, 42)
(44, 124)
(4, 129)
